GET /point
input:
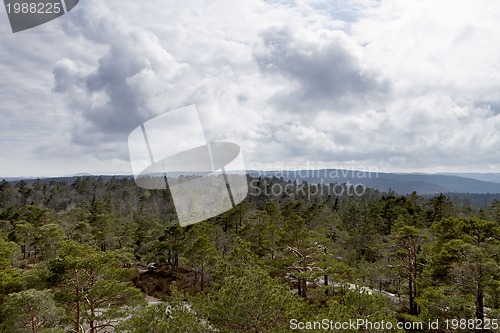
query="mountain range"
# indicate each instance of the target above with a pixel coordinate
(401, 183)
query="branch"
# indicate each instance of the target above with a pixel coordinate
(100, 326)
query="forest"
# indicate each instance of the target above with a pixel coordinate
(104, 255)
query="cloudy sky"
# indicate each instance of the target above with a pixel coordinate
(396, 85)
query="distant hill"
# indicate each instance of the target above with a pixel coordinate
(486, 177)
(67, 179)
(402, 183)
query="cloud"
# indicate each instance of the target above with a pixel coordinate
(119, 93)
(399, 85)
(444, 77)
(422, 50)
(324, 70)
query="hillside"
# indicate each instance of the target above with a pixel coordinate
(401, 183)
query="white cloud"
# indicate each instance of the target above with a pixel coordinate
(441, 59)
(402, 85)
(322, 70)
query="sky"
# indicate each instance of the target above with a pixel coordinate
(396, 86)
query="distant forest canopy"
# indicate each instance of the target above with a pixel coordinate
(85, 254)
(479, 189)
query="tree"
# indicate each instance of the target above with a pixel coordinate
(24, 234)
(100, 222)
(10, 280)
(495, 211)
(201, 256)
(7, 195)
(177, 317)
(25, 193)
(440, 208)
(5, 254)
(89, 280)
(264, 232)
(31, 311)
(441, 302)
(249, 301)
(466, 254)
(170, 246)
(479, 258)
(405, 249)
(49, 240)
(149, 230)
(360, 228)
(357, 303)
(392, 208)
(304, 253)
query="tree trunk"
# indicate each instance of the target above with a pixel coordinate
(202, 280)
(303, 287)
(238, 222)
(92, 323)
(173, 261)
(176, 263)
(77, 321)
(414, 272)
(410, 294)
(480, 302)
(33, 324)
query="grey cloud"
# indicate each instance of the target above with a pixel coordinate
(115, 96)
(329, 75)
(492, 105)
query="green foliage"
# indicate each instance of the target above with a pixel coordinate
(10, 280)
(355, 304)
(88, 280)
(201, 256)
(5, 254)
(249, 302)
(252, 269)
(443, 303)
(49, 240)
(31, 311)
(38, 277)
(178, 317)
